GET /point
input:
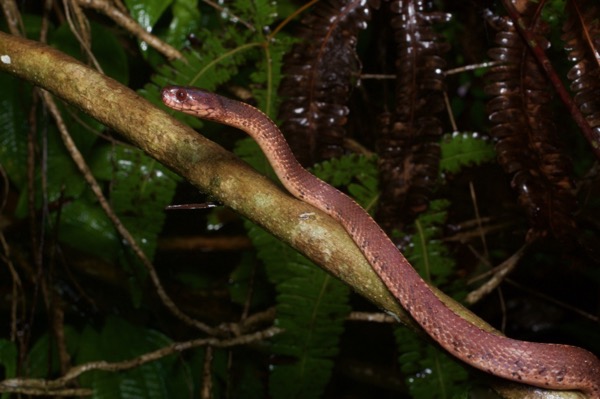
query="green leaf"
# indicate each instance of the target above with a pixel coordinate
(105, 46)
(430, 372)
(299, 381)
(427, 253)
(147, 12)
(14, 102)
(42, 360)
(186, 19)
(215, 63)
(8, 360)
(248, 281)
(267, 75)
(464, 149)
(311, 307)
(85, 226)
(64, 180)
(357, 172)
(260, 13)
(140, 190)
(118, 341)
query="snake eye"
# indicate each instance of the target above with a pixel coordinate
(181, 95)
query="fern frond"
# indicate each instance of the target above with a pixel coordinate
(320, 73)
(267, 75)
(311, 307)
(528, 145)
(582, 41)
(426, 252)
(408, 144)
(311, 304)
(461, 150)
(356, 172)
(216, 62)
(430, 372)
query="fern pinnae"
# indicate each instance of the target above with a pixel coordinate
(429, 372)
(311, 304)
(422, 244)
(427, 369)
(464, 149)
(220, 58)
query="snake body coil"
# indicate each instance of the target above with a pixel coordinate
(548, 366)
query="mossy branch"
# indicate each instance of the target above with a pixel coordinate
(203, 163)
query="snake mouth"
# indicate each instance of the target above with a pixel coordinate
(170, 96)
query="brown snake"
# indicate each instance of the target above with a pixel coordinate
(548, 366)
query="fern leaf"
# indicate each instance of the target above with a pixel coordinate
(267, 74)
(320, 73)
(141, 188)
(461, 150)
(408, 143)
(426, 252)
(215, 63)
(528, 146)
(311, 304)
(311, 307)
(358, 173)
(430, 373)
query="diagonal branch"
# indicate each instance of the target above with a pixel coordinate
(208, 167)
(202, 162)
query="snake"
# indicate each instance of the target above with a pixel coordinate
(543, 365)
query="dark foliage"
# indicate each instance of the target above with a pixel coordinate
(582, 40)
(408, 142)
(522, 122)
(320, 73)
(65, 286)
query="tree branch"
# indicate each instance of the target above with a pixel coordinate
(204, 164)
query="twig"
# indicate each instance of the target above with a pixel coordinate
(450, 114)
(81, 30)
(500, 273)
(17, 287)
(371, 317)
(132, 26)
(44, 387)
(551, 299)
(91, 180)
(290, 17)
(207, 374)
(478, 219)
(13, 17)
(225, 13)
(471, 67)
(453, 71)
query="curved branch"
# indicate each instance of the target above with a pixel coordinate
(207, 166)
(203, 163)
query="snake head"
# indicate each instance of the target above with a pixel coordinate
(194, 101)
